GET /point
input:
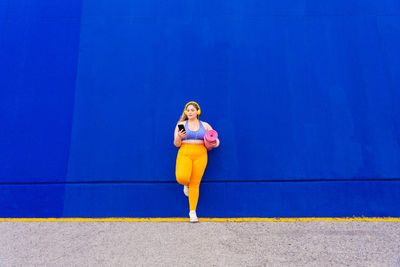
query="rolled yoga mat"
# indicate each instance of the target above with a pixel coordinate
(210, 137)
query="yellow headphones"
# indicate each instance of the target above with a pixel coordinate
(192, 102)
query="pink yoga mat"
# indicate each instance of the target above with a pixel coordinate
(210, 137)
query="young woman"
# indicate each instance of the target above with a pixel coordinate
(192, 155)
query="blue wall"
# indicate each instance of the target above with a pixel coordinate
(303, 94)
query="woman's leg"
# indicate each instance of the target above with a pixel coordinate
(199, 165)
(183, 169)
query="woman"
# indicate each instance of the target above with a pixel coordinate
(192, 155)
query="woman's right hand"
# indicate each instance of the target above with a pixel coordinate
(182, 134)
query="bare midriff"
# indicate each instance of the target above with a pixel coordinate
(192, 142)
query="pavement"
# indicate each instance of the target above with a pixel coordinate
(315, 243)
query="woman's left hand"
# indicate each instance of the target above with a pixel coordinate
(216, 144)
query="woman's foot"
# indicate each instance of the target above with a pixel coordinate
(186, 190)
(193, 216)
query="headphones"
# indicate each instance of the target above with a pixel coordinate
(192, 102)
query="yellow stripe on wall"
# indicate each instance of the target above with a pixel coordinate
(349, 219)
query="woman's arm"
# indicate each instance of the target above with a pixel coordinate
(178, 136)
(177, 140)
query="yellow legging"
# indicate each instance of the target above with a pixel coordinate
(190, 165)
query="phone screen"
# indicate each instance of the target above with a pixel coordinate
(181, 127)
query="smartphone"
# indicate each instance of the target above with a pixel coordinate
(181, 127)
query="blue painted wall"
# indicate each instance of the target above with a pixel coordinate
(303, 94)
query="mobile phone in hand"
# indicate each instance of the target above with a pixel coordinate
(181, 127)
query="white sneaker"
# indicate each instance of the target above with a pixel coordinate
(186, 190)
(193, 216)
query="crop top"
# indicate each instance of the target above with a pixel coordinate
(191, 135)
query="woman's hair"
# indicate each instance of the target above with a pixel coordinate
(184, 117)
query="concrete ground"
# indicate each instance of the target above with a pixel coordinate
(202, 244)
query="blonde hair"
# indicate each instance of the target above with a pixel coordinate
(184, 117)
